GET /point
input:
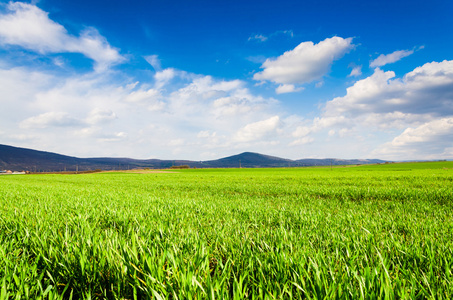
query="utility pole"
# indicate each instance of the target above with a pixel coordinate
(77, 169)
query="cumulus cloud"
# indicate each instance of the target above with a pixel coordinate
(55, 119)
(426, 90)
(149, 95)
(378, 107)
(257, 130)
(305, 63)
(320, 123)
(431, 140)
(395, 120)
(287, 88)
(96, 111)
(428, 132)
(302, 131)
(385, 59)
(219, 99)
(28, 26)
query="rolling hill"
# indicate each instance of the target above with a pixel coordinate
(22, 159)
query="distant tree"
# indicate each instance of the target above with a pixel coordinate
(180, 167)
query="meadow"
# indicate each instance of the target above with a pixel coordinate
(362, 232)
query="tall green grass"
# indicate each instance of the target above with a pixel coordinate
(350, 233)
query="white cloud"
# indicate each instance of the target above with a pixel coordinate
(257, 130)
(230, 106)
(206, 134)
(87, 132)
(319, 84)
(305, 63)
(263, 38)
(99, 115)
(302, 131)
(258, 37)
(381, 106)
(58, 61)
(18, 87)
(154, 61)
(27, 26)
(176, 142)
(141, 119)
(150, 95)
(302, 141)
(426, 90)
(217, 100)
(356, 71)
(98, 134)
(115, 137)
(163, 77)
(428, 132)
(386, 59)
(432, 140)
(93, 45)
(55, 119)
(395, 120)
(320, 123)
(287, 88)
(344, 131)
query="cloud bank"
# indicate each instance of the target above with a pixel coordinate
(419, 106)
(168, 113)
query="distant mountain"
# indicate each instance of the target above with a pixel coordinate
(18, 159)
(22, 159)
(249, 160)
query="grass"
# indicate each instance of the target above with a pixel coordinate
(365, 232)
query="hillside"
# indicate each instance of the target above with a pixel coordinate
(18, 159)
(249, 160)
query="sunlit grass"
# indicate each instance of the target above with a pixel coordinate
(357, 233)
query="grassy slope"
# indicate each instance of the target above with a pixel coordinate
(360, 232)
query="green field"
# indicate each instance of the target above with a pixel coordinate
(366, 232)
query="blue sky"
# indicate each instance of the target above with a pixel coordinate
(206, 79)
